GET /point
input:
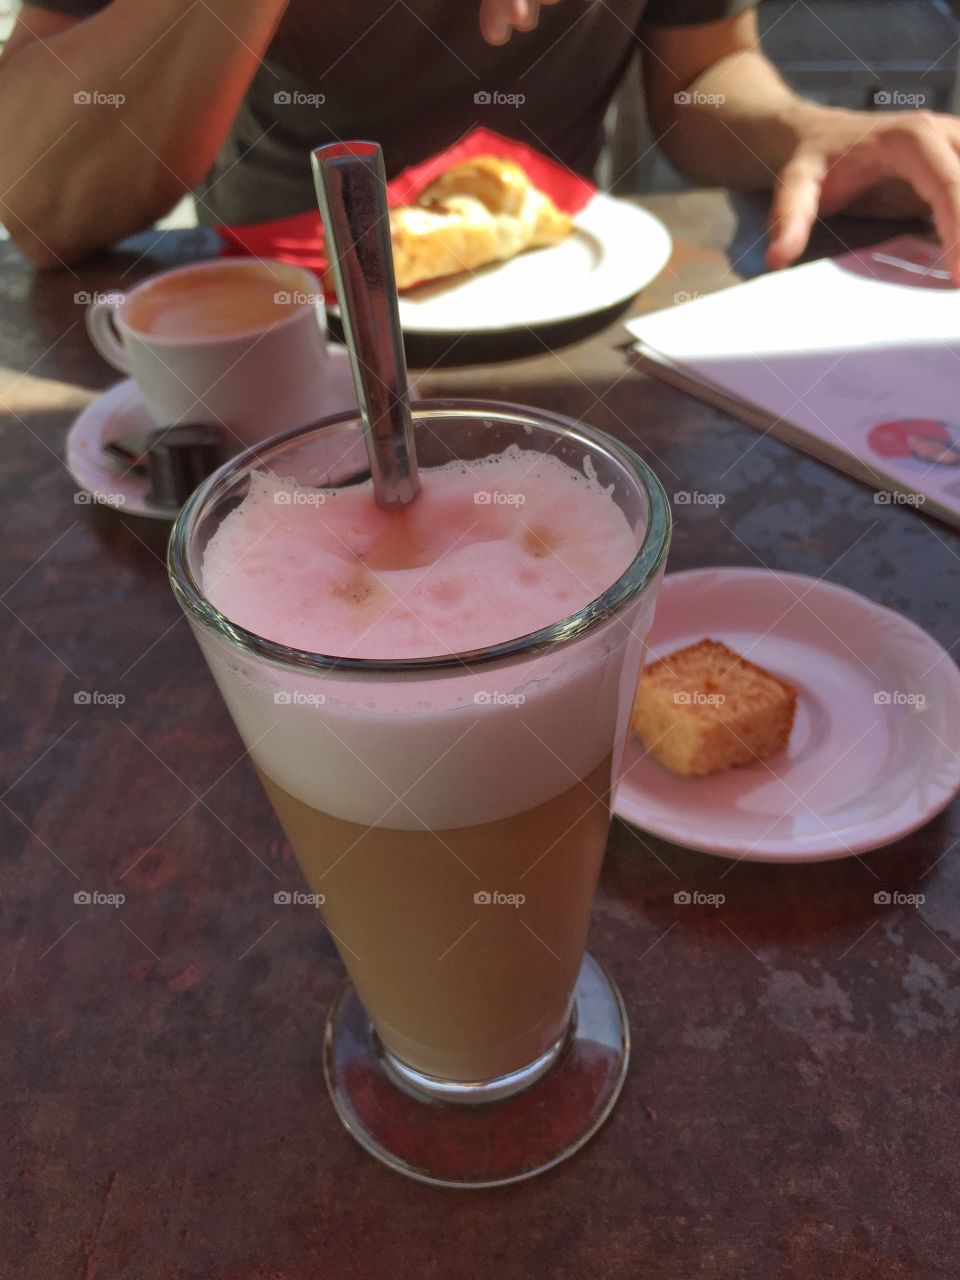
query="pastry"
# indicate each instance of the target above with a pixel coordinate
(704, 708)
(481, 211)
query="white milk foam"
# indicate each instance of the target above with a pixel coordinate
(488, 552)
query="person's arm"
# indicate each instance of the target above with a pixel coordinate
(723, 113)
(725, 117)
(107, 121)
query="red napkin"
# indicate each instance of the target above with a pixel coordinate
(299, 238)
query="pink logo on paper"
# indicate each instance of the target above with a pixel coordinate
(925, 440)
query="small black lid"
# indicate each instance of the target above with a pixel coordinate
(178, 458)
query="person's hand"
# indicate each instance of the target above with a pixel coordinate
(891, 163)
(500, 18)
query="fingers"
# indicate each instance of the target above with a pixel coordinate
(844, 181)
(919, 149)
(534, 15)
(923, 154)
(495, 21)
(500, 18)
(796, 200)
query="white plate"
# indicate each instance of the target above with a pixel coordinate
(875, 749)
(120, 414)
(614, 251)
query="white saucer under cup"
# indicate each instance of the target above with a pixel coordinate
(875, 748)
(120, 415)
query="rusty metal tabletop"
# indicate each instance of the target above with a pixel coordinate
(791, 1107)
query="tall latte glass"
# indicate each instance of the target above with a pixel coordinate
(449, 809)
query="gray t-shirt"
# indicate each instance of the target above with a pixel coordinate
(415, 76)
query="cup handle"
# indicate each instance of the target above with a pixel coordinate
(100, 318)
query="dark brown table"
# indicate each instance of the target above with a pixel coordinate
(791, 1108)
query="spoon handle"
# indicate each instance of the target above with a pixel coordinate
(352, 191)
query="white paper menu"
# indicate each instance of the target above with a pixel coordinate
(854, 359)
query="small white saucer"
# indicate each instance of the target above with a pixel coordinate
(875, 749)
(120, 414)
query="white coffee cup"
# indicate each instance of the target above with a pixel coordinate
(208, 343)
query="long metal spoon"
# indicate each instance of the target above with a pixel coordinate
(352, 192)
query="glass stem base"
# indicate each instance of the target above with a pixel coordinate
(435, 1132)
(473, 1092)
